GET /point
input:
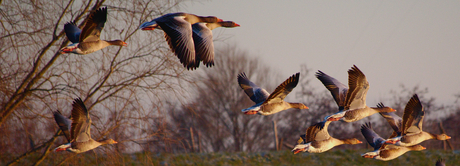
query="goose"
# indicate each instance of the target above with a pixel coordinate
(383, 151)
(202, 38)
(178, 33)
(318, 140)
(411, 128)
(88, 40)
(266, 103)
(353, 107)
(80, 135)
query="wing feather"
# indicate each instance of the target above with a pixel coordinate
(283, 89)
(358, 87)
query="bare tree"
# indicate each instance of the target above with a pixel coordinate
(215, 110)
(123, 87)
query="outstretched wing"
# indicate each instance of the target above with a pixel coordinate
(337, 89)
(283, 89)
(256, 93)
(204, 47)
(318, 132)
(371, 137)
(358, 87)
(413, 116)
(178, 34)
(394, 120)
(94, 25)
(72, 32)
(63, 123)
(81, 122)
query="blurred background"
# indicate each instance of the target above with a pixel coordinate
(142, 97)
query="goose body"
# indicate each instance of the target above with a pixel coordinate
(318, 140)
(352, 106)
(411, 128)
(88, 40)
(267, 104)
(381, 150)
(80, 136)
(179, 34)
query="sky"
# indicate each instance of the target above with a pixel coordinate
(413, 42)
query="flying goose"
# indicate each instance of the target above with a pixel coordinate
(318, 140)
(267, 104)
(354, 103)
(383, 151)
(80, 135)
(179, 34)
(411, 130)
(88, 40)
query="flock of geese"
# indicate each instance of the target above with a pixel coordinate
(351, 101)
(190, 38)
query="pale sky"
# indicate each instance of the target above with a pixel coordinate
(393, 42)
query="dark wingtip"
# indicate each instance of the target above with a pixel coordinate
(319, 73)
(366, 126)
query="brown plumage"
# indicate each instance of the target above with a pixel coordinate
(267, 104)
(80, 134)
(89, 38)
(411, 131)
(354, 105)
(381, 150)
(318, 140)
(179, 34)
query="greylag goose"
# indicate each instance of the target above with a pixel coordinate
(81, 140)
(318, 140)
(179, 34)
(88, 40)
(202, 38)
(354, 106)
(383, 151)
(440, 162)
(267, 104)
(411, 130)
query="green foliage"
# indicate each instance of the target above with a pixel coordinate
(334, 157)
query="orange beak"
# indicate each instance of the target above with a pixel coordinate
(368, 156)
(237, 24)
(334, 119)
(359, 142)
(423, 148)
(250, 112)
(125, 44)
(115, 142)
(298, 151)
(220, 20)
(148, 28)
(391, 141)
(448, 137)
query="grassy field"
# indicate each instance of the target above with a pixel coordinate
(334, 157)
